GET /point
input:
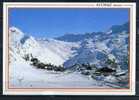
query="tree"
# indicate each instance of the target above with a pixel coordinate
(106, 69)
(85, 72)
(49, 67)
(41, 65)
(88, 67)
(59, 68)
(34, 61)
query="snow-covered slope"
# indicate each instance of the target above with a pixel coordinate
(63, 49)
(24, 75)
(97, 47)
(68, 50)
(50, 51)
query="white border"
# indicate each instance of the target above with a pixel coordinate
(132, 7)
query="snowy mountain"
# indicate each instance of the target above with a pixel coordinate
(70, 50)
(48, 51)
(86, 48)
(96, 47)
(115, 29)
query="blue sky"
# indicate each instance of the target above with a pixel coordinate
(54, 22)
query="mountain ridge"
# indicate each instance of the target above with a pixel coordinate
(78, 37)
(88, 48)
(98, 60)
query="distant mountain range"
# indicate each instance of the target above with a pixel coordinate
(70, 49)
(78, 37)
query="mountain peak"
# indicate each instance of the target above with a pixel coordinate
(120, 28)
(15, 34)
(15, 30)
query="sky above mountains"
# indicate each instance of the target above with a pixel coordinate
(55, 22)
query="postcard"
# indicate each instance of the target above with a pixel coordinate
(69, 48)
